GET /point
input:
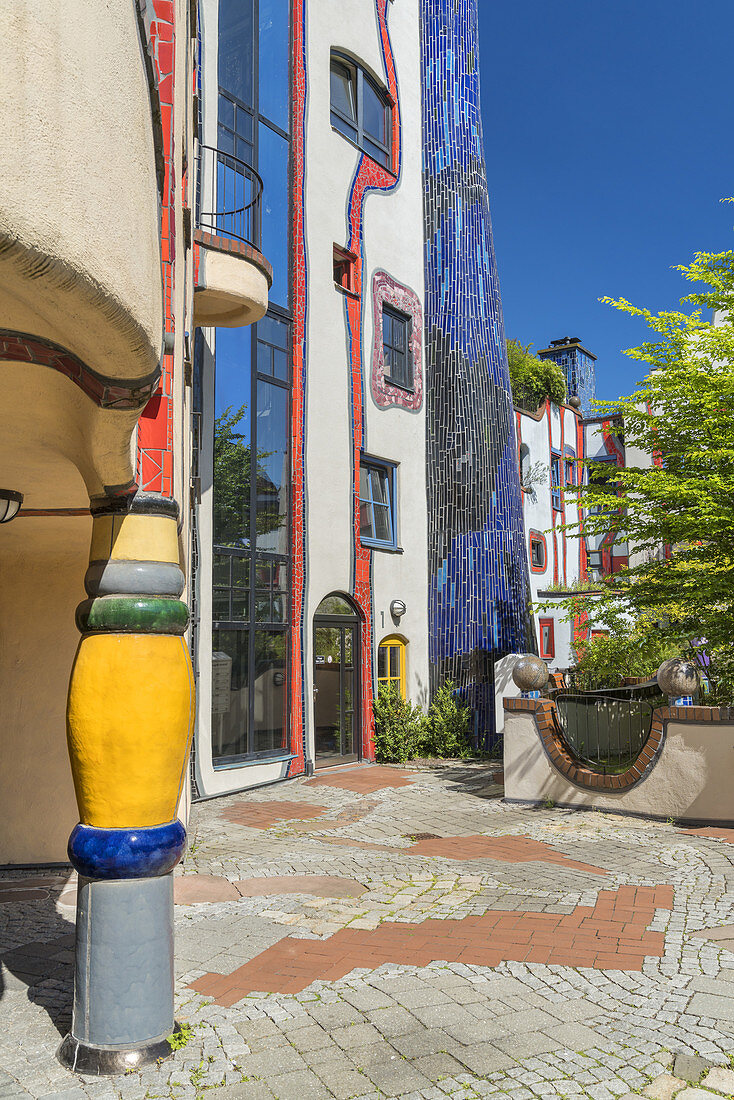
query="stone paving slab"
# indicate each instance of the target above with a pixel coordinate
(535, 954)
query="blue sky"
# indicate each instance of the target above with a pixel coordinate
(609, 138)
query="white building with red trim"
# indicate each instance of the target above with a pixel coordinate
(555, 445)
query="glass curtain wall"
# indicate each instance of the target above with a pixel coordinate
(251, 451)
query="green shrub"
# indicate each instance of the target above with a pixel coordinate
(446, 727)
(398, 727)
(607, 659)
(403, 732)
(720, 674)
(533, 379)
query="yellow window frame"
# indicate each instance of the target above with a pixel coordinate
(393, 642)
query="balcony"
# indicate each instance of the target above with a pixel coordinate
(232, 275)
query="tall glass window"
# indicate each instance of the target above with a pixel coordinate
(251, 543)
(254, 114)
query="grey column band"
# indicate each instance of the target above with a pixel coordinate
(133, 578)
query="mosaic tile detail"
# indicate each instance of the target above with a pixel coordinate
(155, 428)
(107, 393)
(299, 297)
(385, 290)
(369, 177)
(577, 365)
(476, 554)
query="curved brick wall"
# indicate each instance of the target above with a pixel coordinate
(564, 760)
(683, 771)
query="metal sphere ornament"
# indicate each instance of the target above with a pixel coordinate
(678, 677)
(574, 402)
(530, 673)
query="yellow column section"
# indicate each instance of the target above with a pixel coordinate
(131, 697)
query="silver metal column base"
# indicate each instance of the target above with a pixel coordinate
(106, 1062)
(123, 985)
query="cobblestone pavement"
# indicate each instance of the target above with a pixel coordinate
(383, 932)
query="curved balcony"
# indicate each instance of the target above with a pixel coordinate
(233, 277)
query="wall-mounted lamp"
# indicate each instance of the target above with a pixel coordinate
(10, 502)
(397, 609)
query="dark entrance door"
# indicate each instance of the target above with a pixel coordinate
(336, 683)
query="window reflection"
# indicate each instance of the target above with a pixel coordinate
(273, 167)
(230, 695)
(274, 59)
(236, 48)
(250, 476)
(272, 473)
(250, 464)
(270, 692)
(343, 97)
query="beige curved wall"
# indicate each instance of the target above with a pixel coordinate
(690, 780)
(43, 561)
(79, 226)
(58, 448)
(231, 291)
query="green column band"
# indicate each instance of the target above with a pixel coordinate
(133, 615)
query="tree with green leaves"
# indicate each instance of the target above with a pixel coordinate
(532, 379)
(676, 508)
(232, 472)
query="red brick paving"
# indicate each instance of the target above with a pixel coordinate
(345, 817)
(364, 780)
(712, 831)
(193, 889)
(261, 815)
(611, 935)
(508, 849)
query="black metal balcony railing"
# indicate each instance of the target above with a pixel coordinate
(605, 733)
(228, 199)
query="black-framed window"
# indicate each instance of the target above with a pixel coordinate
(397, 358)
(251, 541)
(546, 629)
(601, 473)
(537, 551)
(377, 525)
(251, 523)
(360, 109)
(235, 129)
(556, 482)
(254, 118)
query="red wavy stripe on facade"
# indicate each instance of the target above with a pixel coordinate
(370, 176)
(155, 429)
(298, 101)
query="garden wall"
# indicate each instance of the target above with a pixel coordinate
(684, 771)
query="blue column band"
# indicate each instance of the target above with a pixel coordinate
(126, 853)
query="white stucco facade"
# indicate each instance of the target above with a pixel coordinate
(392, 244)
(554, 435)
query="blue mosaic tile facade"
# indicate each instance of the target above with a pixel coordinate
(578, 366)
(478, 573)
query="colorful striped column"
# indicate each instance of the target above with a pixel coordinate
(129, 722)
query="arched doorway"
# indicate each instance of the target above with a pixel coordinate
(336, 694)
